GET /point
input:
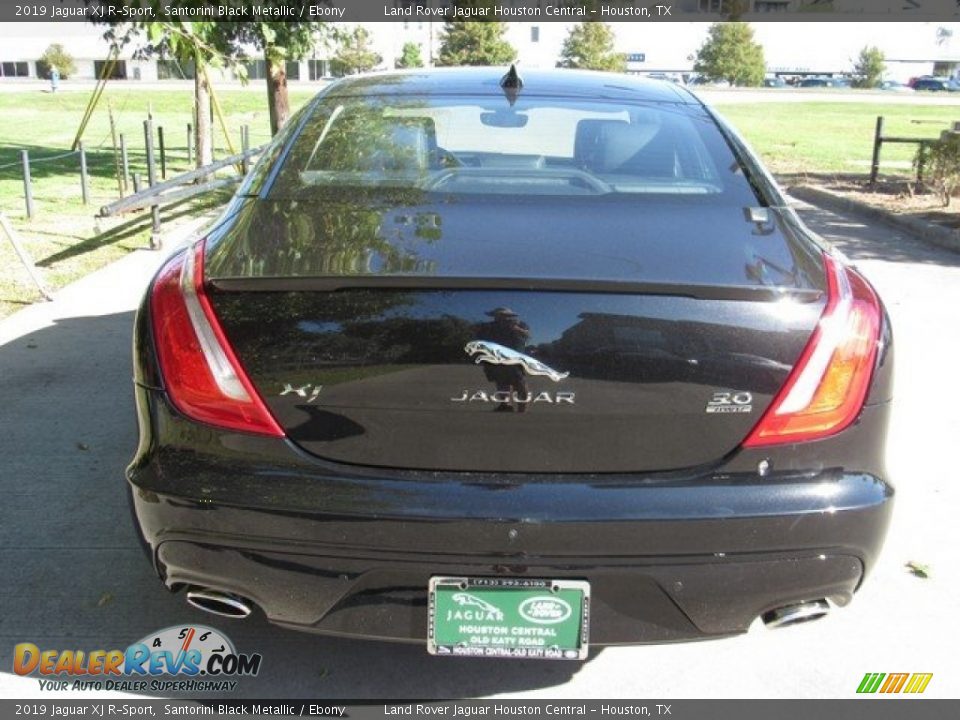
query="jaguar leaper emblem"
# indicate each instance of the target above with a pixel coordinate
(483, 351)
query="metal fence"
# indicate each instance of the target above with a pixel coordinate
(138, 166)
(181, 187)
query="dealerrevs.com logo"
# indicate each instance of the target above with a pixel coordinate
(196, 657)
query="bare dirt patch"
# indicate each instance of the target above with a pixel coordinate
(898, 195)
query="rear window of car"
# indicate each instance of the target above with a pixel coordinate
(484, 145)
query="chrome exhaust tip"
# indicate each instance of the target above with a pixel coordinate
(796, 614)
(219, 603)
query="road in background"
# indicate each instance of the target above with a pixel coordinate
(74, 577)
(712, 95)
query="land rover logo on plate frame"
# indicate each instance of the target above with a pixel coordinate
(508, 618)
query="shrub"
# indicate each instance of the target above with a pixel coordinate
(57, 57)
(942, 165)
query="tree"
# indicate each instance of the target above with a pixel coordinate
(734, 9)
(56, 57)
(869, 67)
(730, 53)
(188, 42)
(410, 56)
(279, 42)
(590, 46)
(475, 43)
(354, 54)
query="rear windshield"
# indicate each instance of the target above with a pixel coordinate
(484, 145)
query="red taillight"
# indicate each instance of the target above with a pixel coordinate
(828, 386)
(203, 378)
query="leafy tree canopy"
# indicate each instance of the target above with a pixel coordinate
(730, 53)
(353, 53)
(590, 46)
(869, 67)
(410, 56)
(56, 57)
(475, 43)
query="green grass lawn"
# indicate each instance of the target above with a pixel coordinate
(834, 137)
(67, 241)
(64, 238)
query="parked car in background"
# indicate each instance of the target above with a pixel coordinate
(894, 86)
(825, 82)
(669, 77)
(703, 81)
(774, 82)
(552, 357)
(937, 84)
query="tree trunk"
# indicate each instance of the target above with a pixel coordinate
(202, 124)
(277, 99)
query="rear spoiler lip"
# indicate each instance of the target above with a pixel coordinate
(334, 283)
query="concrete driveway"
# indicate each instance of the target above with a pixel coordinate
(73, 575)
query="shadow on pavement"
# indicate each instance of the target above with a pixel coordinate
(75, 575)
(860, 241)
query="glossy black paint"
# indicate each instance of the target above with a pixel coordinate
(395, 388)
(670, 520)
(486, 81)
(670, 241)
(344, 549)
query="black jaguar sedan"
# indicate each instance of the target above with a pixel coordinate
(511, 366)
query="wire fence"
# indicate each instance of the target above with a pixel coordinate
(35, 160)
(99, 174)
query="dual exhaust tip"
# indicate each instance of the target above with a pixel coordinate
(795, 614)
(220, 603)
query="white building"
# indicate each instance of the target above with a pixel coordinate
(911, 48)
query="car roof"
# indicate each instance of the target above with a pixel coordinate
(486, 81)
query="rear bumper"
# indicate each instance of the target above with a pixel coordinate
(633, 600)
(350, 551)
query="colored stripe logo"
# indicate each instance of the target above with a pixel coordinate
(913, 683)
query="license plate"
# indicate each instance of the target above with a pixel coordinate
(517, 618)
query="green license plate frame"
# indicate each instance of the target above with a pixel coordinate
(508, 618)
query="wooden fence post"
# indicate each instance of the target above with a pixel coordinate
(163, 154)
(27, 183)
(244, 147)
(84, 188)
(124, 159)
(152, 179)
(877, 143)
(118, 171)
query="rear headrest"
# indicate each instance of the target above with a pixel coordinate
(588, 139)
(622, 143)
(610, 145)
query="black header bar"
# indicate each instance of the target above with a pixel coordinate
(482, 10)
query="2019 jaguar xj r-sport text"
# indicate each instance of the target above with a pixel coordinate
(511, 366)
